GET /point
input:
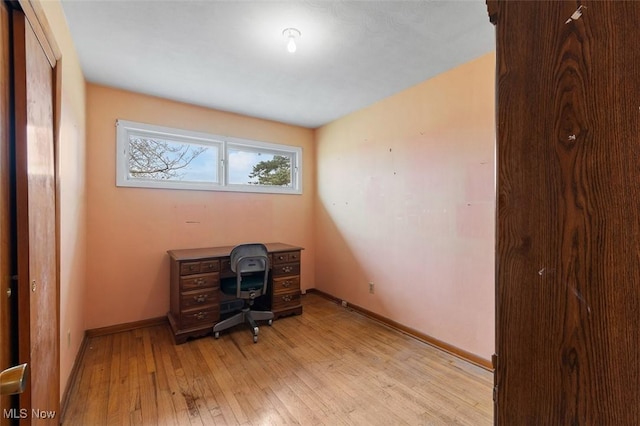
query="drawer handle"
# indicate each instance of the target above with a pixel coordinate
(192, 267)
(286, 298)
(287, 269)
(200, 299)
(286, 284)
(200, 315)
(281, 257)
(200, 281)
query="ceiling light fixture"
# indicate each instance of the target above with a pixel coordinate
(291, 34)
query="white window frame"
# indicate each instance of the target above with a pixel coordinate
(125, 129)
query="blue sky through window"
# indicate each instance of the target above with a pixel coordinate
(203, 168)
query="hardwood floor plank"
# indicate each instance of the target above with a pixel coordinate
(97, 408)
(166, 410)
(117, 378)
(329, 366)
(220, 409)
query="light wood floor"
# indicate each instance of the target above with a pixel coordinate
(328, 366)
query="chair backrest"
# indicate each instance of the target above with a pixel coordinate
(249, 259)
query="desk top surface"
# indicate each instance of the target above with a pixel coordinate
(205, 252)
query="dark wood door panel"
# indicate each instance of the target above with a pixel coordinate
(568, 212)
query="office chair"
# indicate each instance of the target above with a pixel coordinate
(250, 262)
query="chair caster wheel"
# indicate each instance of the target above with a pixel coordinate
(216, 335)
(270, 322)
(255, 339)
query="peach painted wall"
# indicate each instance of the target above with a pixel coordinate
(405, 199)
(130, 229)
(72, 194)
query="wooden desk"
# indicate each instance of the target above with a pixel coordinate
(195, 294)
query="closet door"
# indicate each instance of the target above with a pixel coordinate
(568, 212)
(38, 325)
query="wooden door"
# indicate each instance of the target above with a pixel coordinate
(38, 327)
(568, 212)
(8, 297)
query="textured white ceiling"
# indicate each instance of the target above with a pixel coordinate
(231, 55)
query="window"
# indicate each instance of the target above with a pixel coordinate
(159, 157)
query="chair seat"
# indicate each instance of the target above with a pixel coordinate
(228, 285)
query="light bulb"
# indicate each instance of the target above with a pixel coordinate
(291, 34)
(291, 45)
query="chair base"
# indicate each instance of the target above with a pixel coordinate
(246, 315)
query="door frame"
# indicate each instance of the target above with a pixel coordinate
(8, 290)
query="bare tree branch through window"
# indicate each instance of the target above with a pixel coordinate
(160, 159)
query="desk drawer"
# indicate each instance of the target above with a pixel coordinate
(286, 257)
(189, 268)
(200, 281)
(210, 266)
(194, 317)
(286, 269)
(286, 284)
(199, 298)
(285, 300)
